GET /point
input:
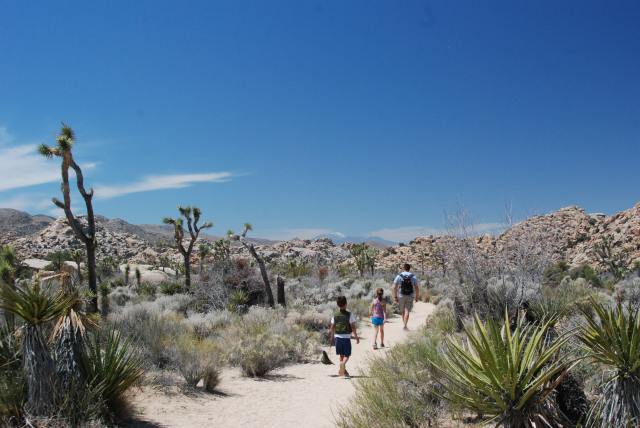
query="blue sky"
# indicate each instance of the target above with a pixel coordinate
(303, 117)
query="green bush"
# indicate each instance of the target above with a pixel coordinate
(588, 273)
(171, 288)
(238, 301)
(400, 389)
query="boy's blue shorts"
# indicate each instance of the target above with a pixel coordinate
(343, 346)
(377, 321)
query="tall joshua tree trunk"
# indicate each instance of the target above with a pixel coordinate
(192, 216)
(64, 143)
(39, 369)
(263, 269)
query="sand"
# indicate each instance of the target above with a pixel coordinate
(300, 395)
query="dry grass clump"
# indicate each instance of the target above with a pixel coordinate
(197, 360)
(262, 341)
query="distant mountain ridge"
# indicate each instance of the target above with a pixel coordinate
(14, 223)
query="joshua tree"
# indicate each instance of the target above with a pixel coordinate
(365, 257)
(138, 277)
(606, 256)
(192, 216)
(164, 262)
(87, 235)
(204, 250)
(252, 250)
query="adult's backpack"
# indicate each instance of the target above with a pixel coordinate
(341, 321)
(406, 287)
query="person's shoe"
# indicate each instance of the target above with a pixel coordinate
(381, 345)
(347, 375)
(375, 346)
(405, 328)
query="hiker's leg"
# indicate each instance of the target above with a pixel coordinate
(382, 334)
(375, 335)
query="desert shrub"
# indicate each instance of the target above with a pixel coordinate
(628, 290)
(13, 388)
(564, 300)
(555, 273)
(209, 324)
(146, 289)
(238, 301)
(171, 288)
(588, 273)
(345, 270)
(400, 390)
(611, 338)
(262, 341)
(150, 329)
(443, 319)
(196, 359)
(121, 295)
(111, 367)
(505, 374)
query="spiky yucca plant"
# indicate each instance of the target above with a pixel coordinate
(67, 336)
(111, 367)
(505, 374)
(36, 305)
(611, 337)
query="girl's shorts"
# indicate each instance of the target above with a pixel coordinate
(377, 321)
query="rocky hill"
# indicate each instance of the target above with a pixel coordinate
(568, 234)
(15, 224)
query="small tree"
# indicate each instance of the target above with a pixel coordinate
(204, 250)
(138, 277)
(77, 255)
(164, 262)
(252, 250)
(87, 235)
(192, 217)
(606, 256)
(364, 257)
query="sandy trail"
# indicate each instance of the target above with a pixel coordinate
(298, 395)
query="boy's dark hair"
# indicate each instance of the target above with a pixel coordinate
(341, 301)
(379, 292)
(406, 267)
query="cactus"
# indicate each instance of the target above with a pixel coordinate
(192, 217)
(64, 144)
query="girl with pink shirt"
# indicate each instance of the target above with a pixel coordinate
(378, 314)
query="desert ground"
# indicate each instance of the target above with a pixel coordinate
(297, 395)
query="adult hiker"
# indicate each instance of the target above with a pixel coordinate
(405, 291)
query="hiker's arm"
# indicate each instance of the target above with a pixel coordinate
(394, 290)
(384, 312)
(355, 332)
(371, 310)
(416, 288)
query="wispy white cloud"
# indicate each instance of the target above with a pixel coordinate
(300, 233)
(407, 233)
(4, 136)
(160, 182)
(22, 166)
